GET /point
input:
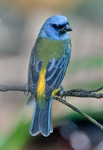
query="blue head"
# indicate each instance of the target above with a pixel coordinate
(55, 27)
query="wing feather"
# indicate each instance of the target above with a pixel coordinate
(34, 73)
(56, 70)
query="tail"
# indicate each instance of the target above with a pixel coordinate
(41, 121)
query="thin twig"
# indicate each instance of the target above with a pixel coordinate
(84, 94)
(78, 111)
(73, 92)
(86, 91)
(5, 88)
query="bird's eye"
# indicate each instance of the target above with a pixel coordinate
(55, 26)
(58, 26)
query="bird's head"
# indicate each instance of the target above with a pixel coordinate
(55, 27)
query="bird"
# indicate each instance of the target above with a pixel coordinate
(49, 60)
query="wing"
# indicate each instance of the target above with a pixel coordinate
(33, 73)
(56, 70)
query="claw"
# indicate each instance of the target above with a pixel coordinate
(27, 91)
(62, 92)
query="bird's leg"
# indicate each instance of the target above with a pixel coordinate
(27, 89)
(62, 92)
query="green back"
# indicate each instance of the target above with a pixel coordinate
(47, 49)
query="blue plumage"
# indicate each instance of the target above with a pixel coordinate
(50, 54)
(41, 121)
(47, 31)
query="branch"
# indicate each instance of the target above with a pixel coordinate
(74, 92)
(83, 93)
(80, 112)
(5, 88)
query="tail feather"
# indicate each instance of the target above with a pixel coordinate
(45, 119)
(41, 121)
(34, 129)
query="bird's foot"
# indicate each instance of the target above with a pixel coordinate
(27, 90)
(62, 92)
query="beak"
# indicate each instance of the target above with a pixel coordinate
(67, 28)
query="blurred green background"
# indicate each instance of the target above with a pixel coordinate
(20, 22)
